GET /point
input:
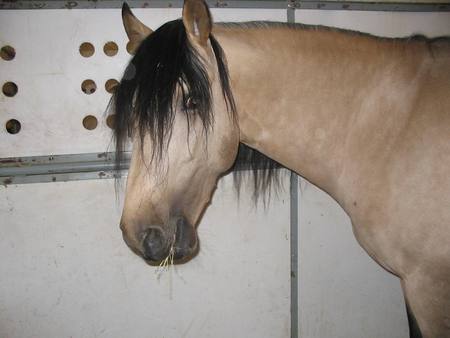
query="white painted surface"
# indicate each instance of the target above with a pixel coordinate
(49, 70)
(390, 24)
(342, 292)
(66, 272)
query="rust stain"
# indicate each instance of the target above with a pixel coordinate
(11, 160)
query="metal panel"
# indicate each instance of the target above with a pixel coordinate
(66, 271)
(50, 105)
(49, 71)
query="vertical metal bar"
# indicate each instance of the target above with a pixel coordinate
(293, 228)
(294, 253)
(291, 12)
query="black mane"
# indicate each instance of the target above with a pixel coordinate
(146, 98)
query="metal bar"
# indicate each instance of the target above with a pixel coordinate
(61, 177)
(59, 168)
(102, 4)
(371, 6)
(293, 190)
(402, 6)
(294, 253)
(37, 165)
(62, 168)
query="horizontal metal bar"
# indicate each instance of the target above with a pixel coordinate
(58, 163)
(81, 176)
(400, 5)
(371, 6)
(56, 168)
(74, 167)
(102, 4)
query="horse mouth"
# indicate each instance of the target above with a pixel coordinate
(172, 258)
(177, 243)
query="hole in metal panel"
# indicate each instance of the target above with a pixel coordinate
(111, 85)
(110, 121)
(13, 126)
(88, 87)
(7, 53)
(90, 122)
(87, 49)
(130, 48)
(111, 48)
(10, 89)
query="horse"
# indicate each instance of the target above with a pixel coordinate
(365, 118)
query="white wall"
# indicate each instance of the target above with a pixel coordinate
(65, 270)
(342, 292)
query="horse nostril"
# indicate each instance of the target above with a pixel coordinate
(155, 245)
(185, 240)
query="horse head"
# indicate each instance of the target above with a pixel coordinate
(175, 102)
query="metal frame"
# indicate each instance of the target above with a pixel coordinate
(437, 6)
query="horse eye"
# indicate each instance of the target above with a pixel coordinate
(190, 103)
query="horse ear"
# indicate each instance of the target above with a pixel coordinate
(197, 20)
(135, 29)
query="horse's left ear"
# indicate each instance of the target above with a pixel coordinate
(135, 29)
(197, 20)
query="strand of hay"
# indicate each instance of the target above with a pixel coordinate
(165, 264)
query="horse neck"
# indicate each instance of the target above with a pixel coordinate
(298, 92)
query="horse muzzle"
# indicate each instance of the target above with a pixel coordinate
(177, 241)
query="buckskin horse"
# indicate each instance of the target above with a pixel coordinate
(366, 119)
